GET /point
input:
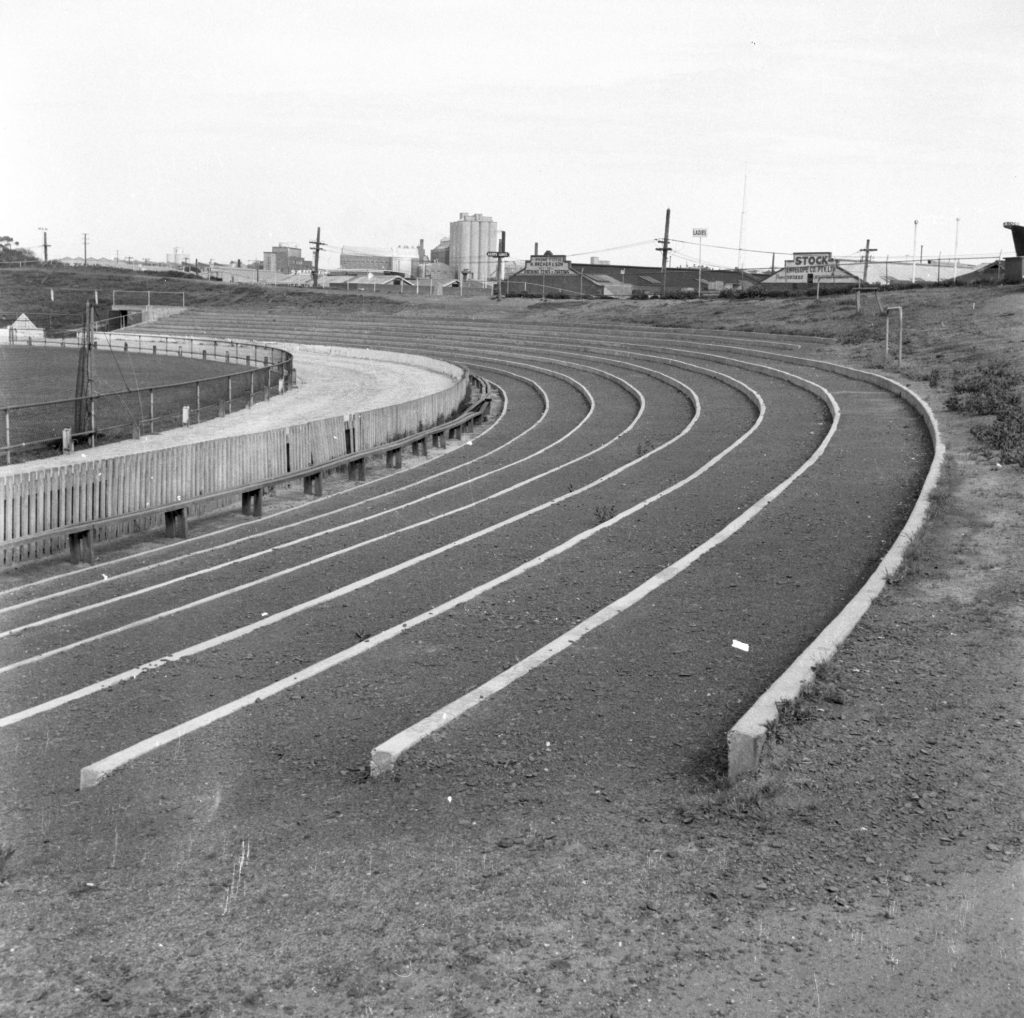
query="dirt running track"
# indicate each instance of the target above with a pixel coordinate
(610, 457)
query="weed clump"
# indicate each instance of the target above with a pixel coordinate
(1005, 434)
(988, 389)
(993, 390)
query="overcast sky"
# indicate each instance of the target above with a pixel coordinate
(221, 127)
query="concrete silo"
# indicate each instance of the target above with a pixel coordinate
(472, 235)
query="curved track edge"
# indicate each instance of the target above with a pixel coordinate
(747, 738)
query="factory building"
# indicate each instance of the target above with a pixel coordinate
(470, 237)
(402, 260)
(551, 276)
(284, 258)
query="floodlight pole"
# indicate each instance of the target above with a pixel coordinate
(913, 257)
(956, 244)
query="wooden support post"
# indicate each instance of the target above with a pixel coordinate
(252, 502)
(357, 470)
(176, 523)
(80, 545)
(312, 484)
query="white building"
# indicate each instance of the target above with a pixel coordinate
(21, 330)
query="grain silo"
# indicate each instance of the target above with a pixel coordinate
(472, 235)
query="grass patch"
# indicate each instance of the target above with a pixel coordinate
(1005, 434)
(987, 389)
(823, 687)
(993, 389)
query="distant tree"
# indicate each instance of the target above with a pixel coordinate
(11, 252)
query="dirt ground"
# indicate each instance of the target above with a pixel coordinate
(875, 867)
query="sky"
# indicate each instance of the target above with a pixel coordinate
(218, 129)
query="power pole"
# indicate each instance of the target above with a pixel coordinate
(46, 246)
(664, 249)
(85, 249)
(867, 249)
(501, 254)
(316, 245)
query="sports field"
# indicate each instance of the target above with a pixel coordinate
(41, 381)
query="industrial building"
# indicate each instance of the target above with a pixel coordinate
(470, 237)
(549, 275)
(285, 258)
(403, 259)
(820, 269)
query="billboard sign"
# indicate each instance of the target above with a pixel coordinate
(812, 261)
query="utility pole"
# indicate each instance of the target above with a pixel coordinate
(501, 254)
(867, 249)
(664, 249)
(46, 246)
(316, 245)
(85, 249)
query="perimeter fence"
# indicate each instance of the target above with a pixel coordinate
(252, 373)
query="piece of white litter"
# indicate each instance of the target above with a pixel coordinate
(105, 576)
(469, 441)
(738, 645)
(263, 615)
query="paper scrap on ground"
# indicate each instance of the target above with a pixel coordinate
(741, 646)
